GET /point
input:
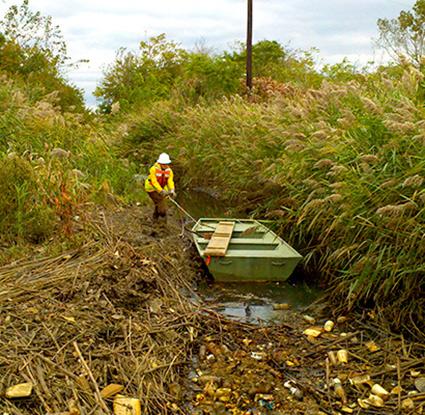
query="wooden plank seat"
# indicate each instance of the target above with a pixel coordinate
(220, 239)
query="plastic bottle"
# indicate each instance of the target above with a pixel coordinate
(309, 319)
(329, 325)
(296, 393)
(332, 358)
(293, 390)
(342, 356)
(339, 391)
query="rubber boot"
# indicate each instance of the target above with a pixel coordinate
(155, 215)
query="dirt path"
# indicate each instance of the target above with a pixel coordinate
(118, 316)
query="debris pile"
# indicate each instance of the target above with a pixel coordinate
(110, 327)
(106, 319)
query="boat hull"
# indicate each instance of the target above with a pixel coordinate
(255, 253)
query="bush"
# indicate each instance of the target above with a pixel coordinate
(23, 214)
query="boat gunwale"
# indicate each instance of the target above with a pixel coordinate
(281, 244)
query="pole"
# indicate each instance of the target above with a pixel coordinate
(186, 213)
(249, 49)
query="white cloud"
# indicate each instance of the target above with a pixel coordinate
(96, 29)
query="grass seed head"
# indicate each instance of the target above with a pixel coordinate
(369, 158)
(388, 84)
(324, 164)
(311, 183)
(371, 106)
(389, 184)
(314, 204)
(413, 181)
(395, 210)
(334, 198)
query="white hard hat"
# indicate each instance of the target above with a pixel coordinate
(164, 159)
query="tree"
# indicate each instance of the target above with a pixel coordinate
(33, 31)
(208, 77)
(272, 60)
(143, 76)
(404, 35)
(32, 49)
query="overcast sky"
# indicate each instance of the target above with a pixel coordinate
(96, 29)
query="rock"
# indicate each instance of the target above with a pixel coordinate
(223, 394)
(313, 331)
(375, 400)
(155, 305)
(372, 346)
(329, 325)
(380, 391)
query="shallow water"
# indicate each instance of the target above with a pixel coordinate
(254, 302)
(247, 301)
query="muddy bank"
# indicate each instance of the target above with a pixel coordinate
(116, 317)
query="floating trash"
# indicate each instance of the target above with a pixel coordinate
(380, 391)
(329, 325)
(309, 319)
(342, 356)
(339, 390)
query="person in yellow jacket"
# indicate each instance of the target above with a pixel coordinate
(160, 184)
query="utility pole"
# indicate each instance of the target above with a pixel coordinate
(249, 49)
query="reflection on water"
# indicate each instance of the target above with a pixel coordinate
(250, 302)
(254, 302)
(203, 204)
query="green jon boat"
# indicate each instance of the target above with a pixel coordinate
(238, 250)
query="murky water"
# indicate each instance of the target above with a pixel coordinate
(248, 301)
(256, 302)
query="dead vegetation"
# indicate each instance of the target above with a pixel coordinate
(117, 317)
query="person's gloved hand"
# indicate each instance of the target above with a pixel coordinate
(164, 193)
(173, 193)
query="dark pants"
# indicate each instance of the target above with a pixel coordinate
(160, 205)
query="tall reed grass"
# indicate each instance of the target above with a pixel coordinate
(53, 165)
(340, 170)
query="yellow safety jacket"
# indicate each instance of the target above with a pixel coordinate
(159, 179)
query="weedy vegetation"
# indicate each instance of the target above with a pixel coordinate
(339, 170)
(333, 159)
